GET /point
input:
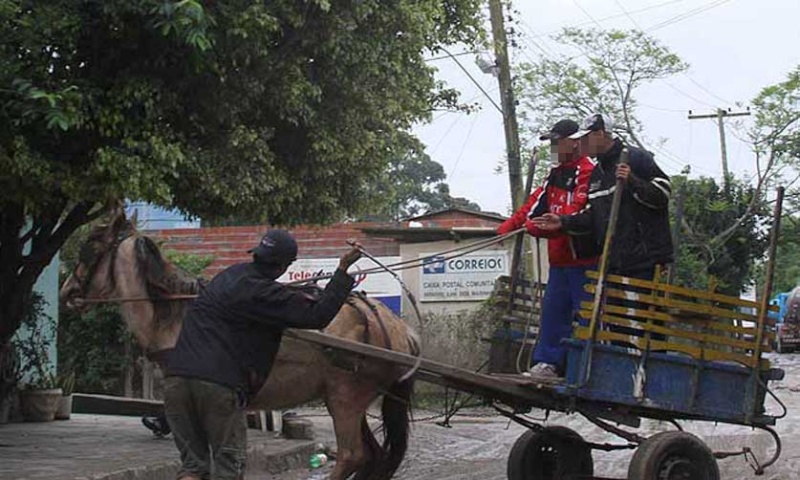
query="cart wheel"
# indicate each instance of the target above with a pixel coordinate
(673, 456)
(555, 453)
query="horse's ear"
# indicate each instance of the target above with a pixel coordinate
(134, 218)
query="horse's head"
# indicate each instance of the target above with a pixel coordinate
(93, 276)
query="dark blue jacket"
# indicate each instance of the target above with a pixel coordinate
(642, 237)
(232, 331)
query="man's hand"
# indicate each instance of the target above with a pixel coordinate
(624, 172)
(548, 221)
(351, 257)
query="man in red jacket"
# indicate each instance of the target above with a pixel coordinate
(564, 192)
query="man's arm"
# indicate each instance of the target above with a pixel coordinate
(649, 185)
(290, 308)
(536, 202)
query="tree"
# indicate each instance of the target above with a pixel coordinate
(278, 111)
(603, 78)
(708, 210)
(413, 184)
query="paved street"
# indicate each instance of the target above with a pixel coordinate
(476, 447)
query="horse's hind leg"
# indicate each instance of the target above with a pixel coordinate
(348, 400)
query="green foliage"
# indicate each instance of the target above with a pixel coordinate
(92, 345)
(611, 66)
(413, 184)
(189, 262)
(34, 344)
(221, 107)
(66, 382)
(276, 112)
(787, 266)
(708, 211)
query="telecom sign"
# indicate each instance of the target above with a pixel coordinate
(468, 278)
(380, 285)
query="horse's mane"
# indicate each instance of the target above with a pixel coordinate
(162, 279)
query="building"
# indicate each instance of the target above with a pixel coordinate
(446, 284)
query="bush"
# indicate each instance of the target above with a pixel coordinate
(33, 346)
(93, 346)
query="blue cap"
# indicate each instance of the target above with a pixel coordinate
(277, 247)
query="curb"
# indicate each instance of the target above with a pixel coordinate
(260, 459)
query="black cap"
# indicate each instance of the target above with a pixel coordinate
(595, 123)
(562, 129)
(277, 247)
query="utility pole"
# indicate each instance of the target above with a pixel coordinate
(720, 116)
(507, 102)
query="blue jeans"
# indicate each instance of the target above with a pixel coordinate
(562, 300)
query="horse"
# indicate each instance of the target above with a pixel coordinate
(119, 264)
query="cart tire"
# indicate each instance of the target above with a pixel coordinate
(555, 453)
(673, 456)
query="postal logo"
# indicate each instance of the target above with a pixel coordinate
(434, 265)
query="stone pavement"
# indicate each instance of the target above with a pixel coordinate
(106, 447)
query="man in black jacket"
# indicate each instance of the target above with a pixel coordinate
(642, 238)
(227, 345)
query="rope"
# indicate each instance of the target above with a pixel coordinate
(408, 293)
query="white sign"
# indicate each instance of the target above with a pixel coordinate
(468, 278)
(380, 285)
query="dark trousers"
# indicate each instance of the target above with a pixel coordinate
(209, 427)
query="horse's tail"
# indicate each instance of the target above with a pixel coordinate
(386, 457)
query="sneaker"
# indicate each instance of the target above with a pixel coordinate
(158, 425)
(544, 371)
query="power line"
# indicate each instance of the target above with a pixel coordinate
(444, 57)
(469, 75)
(636, 24)
(611, 17)
(471, 99)
(463, 147)
(687, 95)
(683, 16)
(621, 7)
(699, 85)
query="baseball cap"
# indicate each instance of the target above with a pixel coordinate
(276, 247)
(594, 123)
(562, 129)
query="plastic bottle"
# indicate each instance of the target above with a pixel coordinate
(317, 460)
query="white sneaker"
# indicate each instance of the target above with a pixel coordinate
(543, 371)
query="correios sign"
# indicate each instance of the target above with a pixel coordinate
(469, 278)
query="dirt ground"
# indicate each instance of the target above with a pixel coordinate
(477, 445)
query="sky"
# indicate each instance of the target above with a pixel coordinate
(734, 49)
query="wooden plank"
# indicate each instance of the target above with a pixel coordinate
(687, 292)
(583, 333)
(684, 308)
(673, 332)
(666, 317)
(436, 372)
(113, 405)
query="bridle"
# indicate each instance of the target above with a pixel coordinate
(84, 281)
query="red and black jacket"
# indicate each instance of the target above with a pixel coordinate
(565, 192)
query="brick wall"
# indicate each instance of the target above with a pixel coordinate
(229, 245)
